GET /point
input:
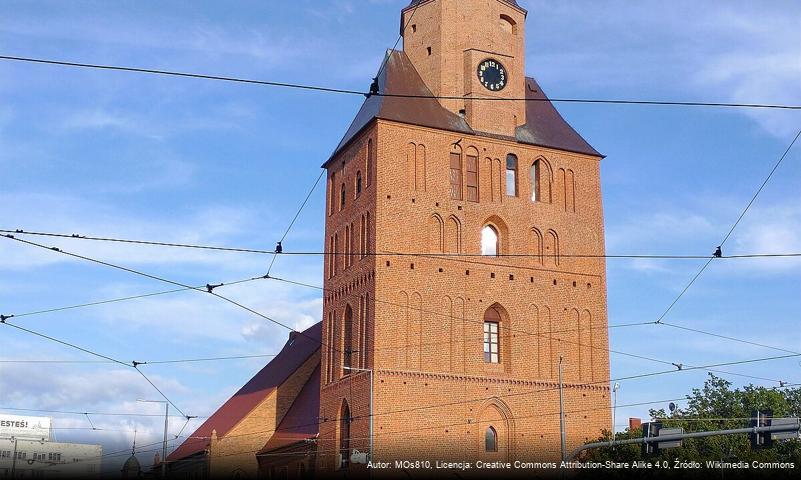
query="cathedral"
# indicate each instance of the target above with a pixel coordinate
(465, 285)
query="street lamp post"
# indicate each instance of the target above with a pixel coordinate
(614, 410)
(371, 402)
(166, 426)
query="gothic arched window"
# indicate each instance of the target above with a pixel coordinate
(370, 161)
(344, 433)
(342, 197)
(456, 175)
(358, 182)
(492, 322)
(535, 181)
(347, 341)
(489, 241)
(511, 175)
(491, 440)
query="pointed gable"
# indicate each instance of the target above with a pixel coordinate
(295, 353)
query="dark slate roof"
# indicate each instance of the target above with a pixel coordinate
(544, 125)
(399, 77)
(301, 421)
(269, 378)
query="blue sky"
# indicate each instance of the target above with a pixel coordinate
(184, 160)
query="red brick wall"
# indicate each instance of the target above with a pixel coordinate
(434, 393)
(426, 312)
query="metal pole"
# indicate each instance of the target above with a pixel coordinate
(14, 458)
(614, 411)
(562, 412)
(372, 415)
(164, 445)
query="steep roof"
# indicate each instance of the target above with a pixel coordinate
(301, 421)
(296, 351)
(544, 125)
(399, 77)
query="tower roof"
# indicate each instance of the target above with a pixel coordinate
(131, 465)
(406, 99)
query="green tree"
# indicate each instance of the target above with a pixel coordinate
(716, 406)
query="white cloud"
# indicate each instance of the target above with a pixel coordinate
(68, 214)
(726, 51)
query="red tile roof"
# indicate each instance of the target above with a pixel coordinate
(296, 351)
(301, 422)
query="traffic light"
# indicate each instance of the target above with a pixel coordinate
(761, 418)
(650, 430)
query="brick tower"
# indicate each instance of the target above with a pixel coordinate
(456, 272)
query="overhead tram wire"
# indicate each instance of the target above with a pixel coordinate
(476, 400)
(366, 94)
(550, 336)
(294, 219)
(706, 264)
(359, 417)
(96, 354)
(687, 368)
(75, 236)
(178, 284)
(234, 302)
(12, 237)
(148, 362)
(209, 288)
(127, 298)
(89, 412)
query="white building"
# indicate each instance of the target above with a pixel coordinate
(27, 451)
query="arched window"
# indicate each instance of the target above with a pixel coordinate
(491, 440)
(511, 175)
(369, 164)
(347, 341)
(344, 434)
(492, 321)
(508, 25)
(358, 182)
(456, 175)
(336, 253)
(535, 181)
(489, 241)
(332, 194)
(342, 197)
(472, 174)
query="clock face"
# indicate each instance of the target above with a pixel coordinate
(492, 75)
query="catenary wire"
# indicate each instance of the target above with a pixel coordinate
(96, 354)
(261, 315)
(630, 377)
(150, 276)
(295, 218)
(360, 93)
(443, 256)
(382, 254)
(186, 286)
(549, 336)
(728, 234)
(209, 289)
(684, 398)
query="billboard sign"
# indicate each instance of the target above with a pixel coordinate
(29, 428)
